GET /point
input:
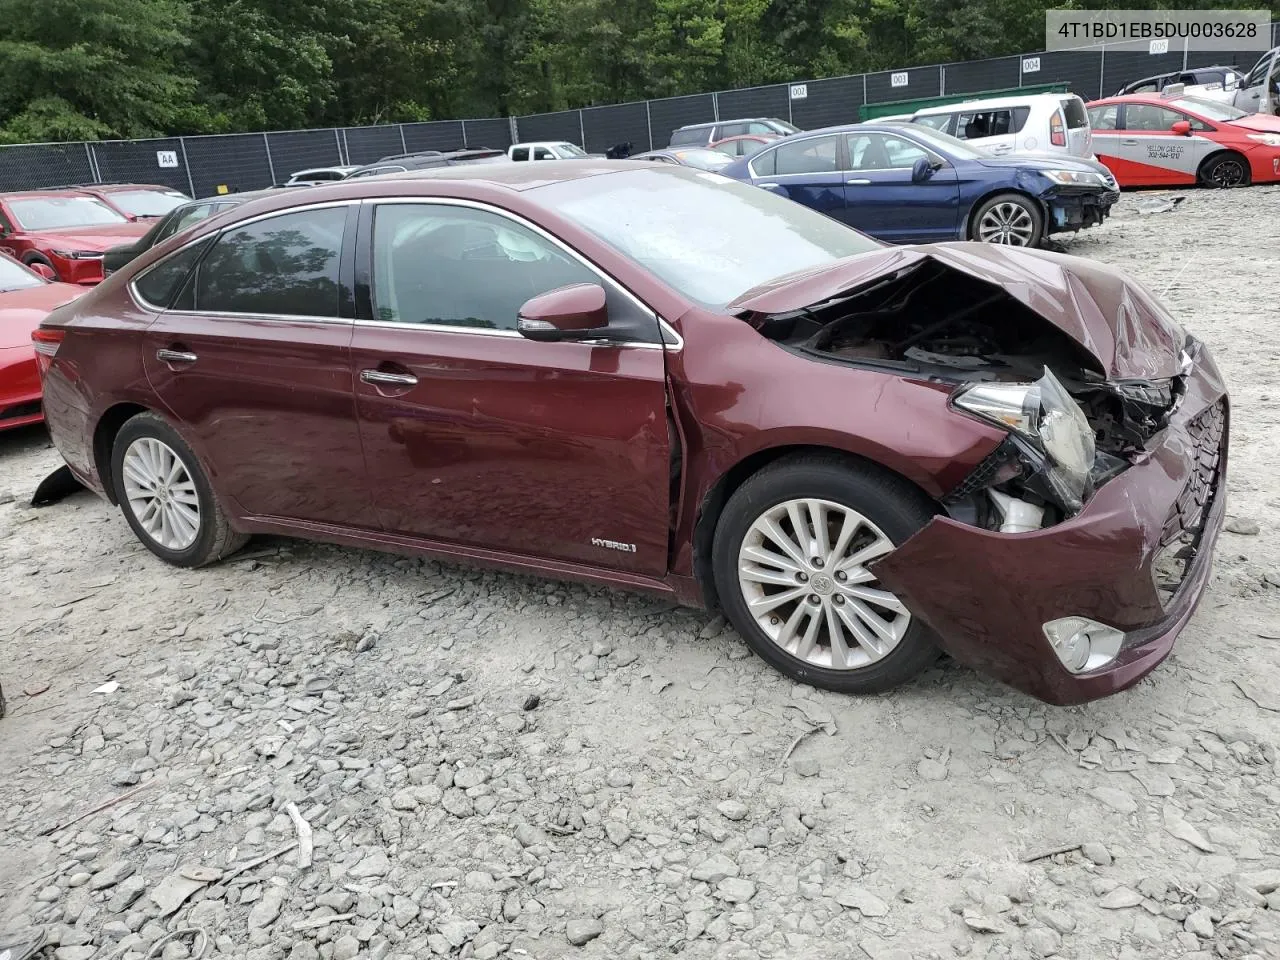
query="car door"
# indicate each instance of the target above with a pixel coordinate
(1148, 152)
(252, 359)
(1258, 91)
(808, 170)
(884, 201)
(477, 437)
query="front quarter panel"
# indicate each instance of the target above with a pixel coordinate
(738, 394)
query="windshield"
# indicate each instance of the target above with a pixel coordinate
(709, 237)
(146, 203)
(783, 127)
(14, 276)
(708, 159)
(1209, 109)
(50, 213)
(943, 141)
(572, 150)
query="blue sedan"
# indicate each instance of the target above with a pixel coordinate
(906, 183)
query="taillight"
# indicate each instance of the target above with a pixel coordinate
(46, 341)
(1057, 130)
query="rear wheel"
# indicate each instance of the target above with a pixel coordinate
(790, 559)
(1225, 170)
(166, 497)
(1008, 218)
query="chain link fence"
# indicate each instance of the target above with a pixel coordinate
(201, 166)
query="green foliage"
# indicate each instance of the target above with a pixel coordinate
(90, 69)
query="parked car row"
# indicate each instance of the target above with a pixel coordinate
(589, 368)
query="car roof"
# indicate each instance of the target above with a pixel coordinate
(766, 137)
(993, 103)
(47, 193)
(544, 143)
(120, 187)
(717, 123)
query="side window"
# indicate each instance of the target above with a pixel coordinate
(732, 149)
(680, 138)
(733, 130)
(760, 128)
(1103, 118)
(460, 267)
(160, 283)
(878, 151)
(936, 121)
(985, 123)
(1143, 88)
(749, 148)
(542, 153)
(520, 153)
(765, 164)
(285, 265)
(1150, 118)
(187, 218)
(813, 155)
(1020, 116)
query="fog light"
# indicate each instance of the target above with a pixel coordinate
(1083, 644)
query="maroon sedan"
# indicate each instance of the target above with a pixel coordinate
(656, 378)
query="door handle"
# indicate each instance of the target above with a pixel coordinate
(1129, 143)
(395, 379)
(176, 356)
(858, 183)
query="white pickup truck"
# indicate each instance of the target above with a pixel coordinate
(547, 150)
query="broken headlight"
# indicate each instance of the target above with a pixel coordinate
(1044, 414)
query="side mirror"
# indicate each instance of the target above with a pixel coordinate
(1182, 128)
(43, 269)
(921, 170)
(575, 312)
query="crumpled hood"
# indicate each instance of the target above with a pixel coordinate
(1113, 317)
(1259, 122)
(91, 238)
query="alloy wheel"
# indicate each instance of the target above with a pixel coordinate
(1227, 173)
(802, 571)
(1007, 223)
(161, 493)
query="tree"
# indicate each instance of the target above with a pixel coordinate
(93, 68)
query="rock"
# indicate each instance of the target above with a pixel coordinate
(1042, 942)
(74, 953)
(618, 778)
(110, 875)
(933, 770)
(469, 777)
(405, 910)
(457, 803)
(860, 899)
(1244, 526)
(735, 890)
(304, 950)
(374, 865)
(1155, 783)
(1096, 853)
(346, 948)
(1199, 922)
(982, 924)
(404, 800)
(458, 932)
(1115, 798)
(531, 702)
(582, 931)
(617, 832)
(267, 909)
(732, 809)
(714, 869)
(1120, 898)
(1264, 881)
(1185, 831)
(1059, 920)
(528, 835)
(805, 767)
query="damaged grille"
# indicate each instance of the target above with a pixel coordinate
(1184, 527)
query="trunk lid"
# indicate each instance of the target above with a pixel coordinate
(1117, 320)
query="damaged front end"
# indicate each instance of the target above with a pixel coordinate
(1072, 423)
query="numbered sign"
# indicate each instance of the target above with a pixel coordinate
(1159, 46)
(799, 91)
(898, 79)
(167, 158)
(1030, 64)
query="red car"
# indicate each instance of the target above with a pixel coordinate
(641, 375)
(1153, 140)
(137, 201)
(25, 299)
(66, 230)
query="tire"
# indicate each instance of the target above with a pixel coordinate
(1224, 170)
(147, 447)
(1012, 219)
(36, 258)
(892, 510)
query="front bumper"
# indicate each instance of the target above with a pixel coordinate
(19, 388)
(1137, 558)
(87, 272)
(1075, 209)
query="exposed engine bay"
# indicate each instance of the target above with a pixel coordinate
(946, 325)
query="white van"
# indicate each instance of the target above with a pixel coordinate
(1259, 92)
(1036, 123)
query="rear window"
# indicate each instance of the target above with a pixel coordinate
(1073, 110)
(936, 121)
(684, 137)
(146, 203)
(160, 284)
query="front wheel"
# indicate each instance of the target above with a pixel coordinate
(790, 560)
(166, 497)
(1008, 218)
(1225, 170)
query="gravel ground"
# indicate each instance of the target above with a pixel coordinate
(490, 765)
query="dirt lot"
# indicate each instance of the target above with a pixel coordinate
(492, 765)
